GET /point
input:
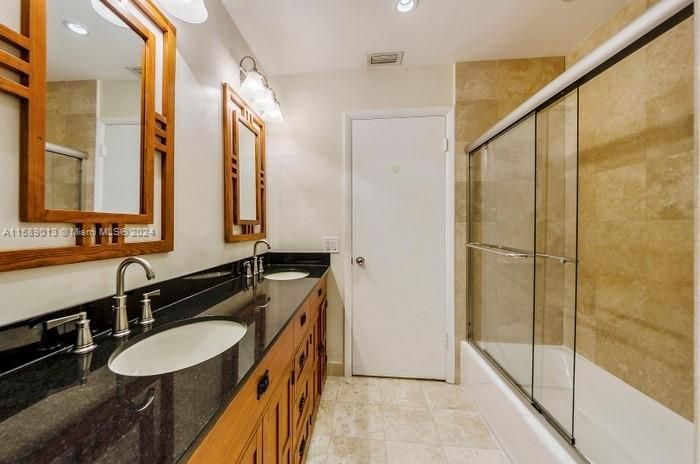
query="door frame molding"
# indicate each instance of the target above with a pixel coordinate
(347, 255)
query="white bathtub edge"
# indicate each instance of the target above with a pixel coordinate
(523, 434)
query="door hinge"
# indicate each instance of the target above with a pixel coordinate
(447, 341)
(446, 144)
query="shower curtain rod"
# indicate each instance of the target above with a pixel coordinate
(598, 60)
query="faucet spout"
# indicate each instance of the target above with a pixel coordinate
(121, 271)
(120, 326)
(258, 262)
(255, 247)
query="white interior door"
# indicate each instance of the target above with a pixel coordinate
(398, 234)
(121, 167)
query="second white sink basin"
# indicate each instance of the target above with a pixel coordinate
(286, 275)
(177, 348)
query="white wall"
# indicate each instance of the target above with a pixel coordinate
(207, 55)
(305, 157)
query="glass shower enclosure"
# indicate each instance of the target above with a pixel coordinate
(580, 253)
(522, 250)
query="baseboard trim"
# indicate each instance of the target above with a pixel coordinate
(335, 369)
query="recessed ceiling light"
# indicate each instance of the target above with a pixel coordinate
(76, 28)
(406, 6)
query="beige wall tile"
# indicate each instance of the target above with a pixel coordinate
(634, 293)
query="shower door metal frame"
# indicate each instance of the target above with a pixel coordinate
(654, 33)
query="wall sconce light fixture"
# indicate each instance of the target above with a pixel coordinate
(255, 88)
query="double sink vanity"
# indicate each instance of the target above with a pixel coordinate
(231, 372)
(224, 365)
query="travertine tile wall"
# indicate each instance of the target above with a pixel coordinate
(71, 119)
(486, 91)
(635, 287)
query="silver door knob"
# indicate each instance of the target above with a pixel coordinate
(360, 260)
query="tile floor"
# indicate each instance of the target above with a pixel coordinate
(365, 420)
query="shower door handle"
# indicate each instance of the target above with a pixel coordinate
(499, 250)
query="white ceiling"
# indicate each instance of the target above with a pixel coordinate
(103, 54)
(298, 36)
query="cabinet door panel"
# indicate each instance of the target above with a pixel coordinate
(277, 425)
(254, 451)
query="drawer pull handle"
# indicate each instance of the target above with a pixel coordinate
(320, 291)
(263, 384)
(320, 349)
(303, 320)
(302, 361)
(302, 402)
(302, 447)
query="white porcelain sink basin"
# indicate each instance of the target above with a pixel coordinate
(178, 347)
(286, 275)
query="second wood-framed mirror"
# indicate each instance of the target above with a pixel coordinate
(244, 170)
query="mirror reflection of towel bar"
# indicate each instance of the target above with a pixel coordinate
(515, 253)
(61, 150)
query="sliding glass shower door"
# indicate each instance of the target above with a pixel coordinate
(502, 183)
(522, 255)
(555, 260)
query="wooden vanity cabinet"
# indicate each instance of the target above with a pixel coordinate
(270, 419)
(253, 453)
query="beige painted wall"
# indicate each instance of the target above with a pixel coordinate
(305, 158)
(199, 200)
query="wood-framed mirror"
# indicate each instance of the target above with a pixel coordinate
(93, 84)
(244, 170)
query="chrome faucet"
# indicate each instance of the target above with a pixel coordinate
(120, 326)
(258, 265)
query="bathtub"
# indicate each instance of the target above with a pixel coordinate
(614, 423)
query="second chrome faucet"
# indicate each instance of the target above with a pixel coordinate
(120, 326)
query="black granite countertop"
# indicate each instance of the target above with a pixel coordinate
(73, 409)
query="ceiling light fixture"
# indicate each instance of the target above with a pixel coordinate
(106, 13)
(406, 6)
(255, 88)
(190, 11)
(76, 28)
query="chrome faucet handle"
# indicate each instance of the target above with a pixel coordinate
(248, 270)
(146, 312)
(261, 267)
(84, 343)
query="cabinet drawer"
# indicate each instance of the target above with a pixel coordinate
(301, 446)
(223, 443)
(303, 399)
(304, 357)
(302, 323)
(318, 295)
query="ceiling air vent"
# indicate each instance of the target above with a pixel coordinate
(383, 59)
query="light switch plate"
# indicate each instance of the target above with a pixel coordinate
(330, 245)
